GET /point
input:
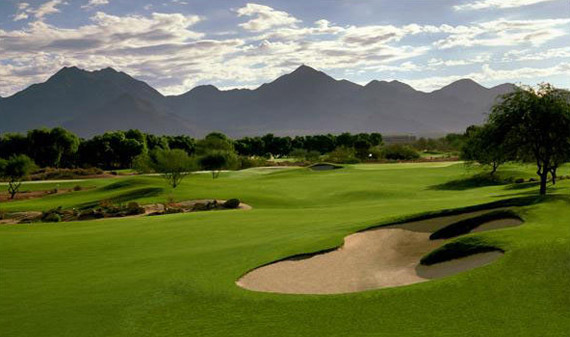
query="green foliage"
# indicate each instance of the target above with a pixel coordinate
(534, 126)
(215, 161)
(14, 170)
(484, 145)
(52, 217)
(112, 150)
(362, 148)
(231, 203)
(214, 141)
(450, 143)
(399, 152)
(174, 165)
(343, 155)
(245, 162)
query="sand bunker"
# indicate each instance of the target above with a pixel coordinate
(324, 167)
(377, 258)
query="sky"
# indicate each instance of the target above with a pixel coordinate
(175, 45)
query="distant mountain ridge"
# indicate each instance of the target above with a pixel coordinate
(305, 101)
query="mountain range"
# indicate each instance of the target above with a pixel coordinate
(305, 101)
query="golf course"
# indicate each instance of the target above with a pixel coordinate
(178, 274)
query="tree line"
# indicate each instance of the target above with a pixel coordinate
(60, 148)
(528, 126)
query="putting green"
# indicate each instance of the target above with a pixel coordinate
(175, 275)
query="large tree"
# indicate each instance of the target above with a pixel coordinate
(47, 147)
(173, 165)
(484, 145)
(16, 169)
(535, 126)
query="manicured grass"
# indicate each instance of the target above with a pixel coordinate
(174, 275)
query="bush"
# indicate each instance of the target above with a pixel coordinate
(53, 173)
(299, 154)
(343, 155)
(245, 162)
(400, 152)
(173, 210)
(52, 216)
(133, 208)
(313, 156)
(231, 203)
(77, 188)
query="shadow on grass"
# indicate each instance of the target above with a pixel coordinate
(522, 186)
(478, 180)
(126, 196)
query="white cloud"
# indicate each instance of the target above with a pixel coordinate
(503, 32)
(167, 51)
(95, 3)
(488, 74)
(530, 55)
(265, 17)
(45, 9)
(484, 4)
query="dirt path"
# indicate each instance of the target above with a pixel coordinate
(383, 257)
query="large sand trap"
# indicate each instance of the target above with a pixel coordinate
(377, 258)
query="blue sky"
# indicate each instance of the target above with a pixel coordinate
(175, 45)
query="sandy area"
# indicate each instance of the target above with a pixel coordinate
(382, 257)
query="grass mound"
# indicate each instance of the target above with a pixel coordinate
(467, 225)
(478, 180)
(458, 249)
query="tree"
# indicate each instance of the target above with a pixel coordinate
(47, 147)
(214, 162)
(13, 144)
(185, 143)
(362, 148)
(173, 165)
(535, 126)
(16, 169)
(484, 146)
(214, 141)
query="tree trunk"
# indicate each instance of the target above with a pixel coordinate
(543, 181)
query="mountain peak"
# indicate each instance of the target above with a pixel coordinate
(464, 83)
(304, 69)
(392, 85)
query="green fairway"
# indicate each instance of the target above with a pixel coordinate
(174, 275)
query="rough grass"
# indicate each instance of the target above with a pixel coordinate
(175, 275)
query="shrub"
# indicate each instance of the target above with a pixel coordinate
(400, 152)
(89, 214)
(173, 210)
(231, 203)
(299, 154)
(313, 156)
(53, 217)
(77, 188)
(133, 208)
(49, 173)
(343, 155)
(245, 162)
